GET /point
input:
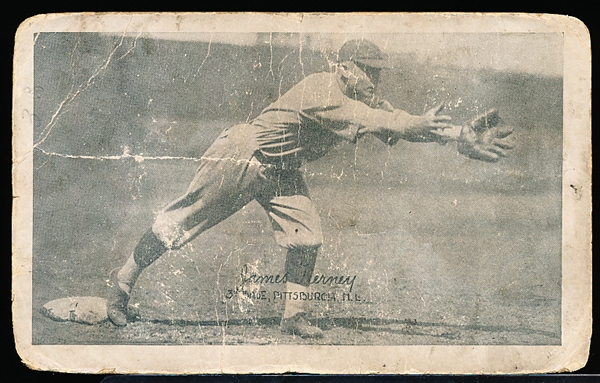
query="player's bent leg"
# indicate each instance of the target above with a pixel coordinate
(148, 250)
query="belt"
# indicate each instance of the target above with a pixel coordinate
(281, 163)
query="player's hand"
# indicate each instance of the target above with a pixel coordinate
(422, 127)
(485, 145)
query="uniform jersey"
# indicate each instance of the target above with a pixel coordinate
(311, 117)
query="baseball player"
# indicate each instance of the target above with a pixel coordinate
(261, 160)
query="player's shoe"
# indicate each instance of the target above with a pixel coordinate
(116, 304)
(300, 325)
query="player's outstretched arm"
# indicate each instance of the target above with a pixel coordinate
(391, 124)
(401, 124)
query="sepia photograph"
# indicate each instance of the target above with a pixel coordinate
(360, 189)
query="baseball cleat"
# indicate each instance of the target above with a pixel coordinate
(300, 325)
(116, 305)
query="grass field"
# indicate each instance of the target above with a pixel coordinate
(445, 250)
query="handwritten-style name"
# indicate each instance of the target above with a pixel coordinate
(249, 277)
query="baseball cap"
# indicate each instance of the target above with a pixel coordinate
(363, 52)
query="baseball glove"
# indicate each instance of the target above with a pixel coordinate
(483, 140)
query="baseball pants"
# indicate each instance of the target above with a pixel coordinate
(229, 177)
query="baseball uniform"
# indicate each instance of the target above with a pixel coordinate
(260, 161)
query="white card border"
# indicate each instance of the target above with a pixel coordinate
(576, 263)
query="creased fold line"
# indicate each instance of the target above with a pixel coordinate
(140, 158)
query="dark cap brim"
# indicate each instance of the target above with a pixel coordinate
(375, 63)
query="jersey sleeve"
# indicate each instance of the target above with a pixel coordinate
(356, 118)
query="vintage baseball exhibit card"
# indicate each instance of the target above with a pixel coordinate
(319, 193)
